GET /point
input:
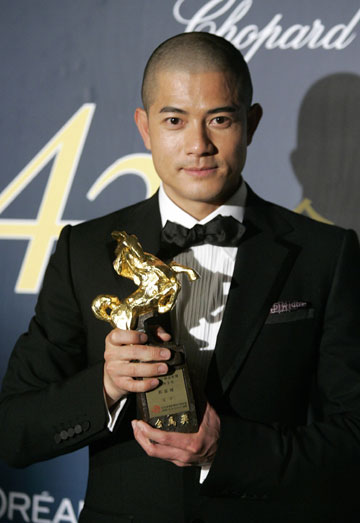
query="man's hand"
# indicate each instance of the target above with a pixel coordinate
(126, 358)
(184, 450)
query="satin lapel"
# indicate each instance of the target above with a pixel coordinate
(262, 265)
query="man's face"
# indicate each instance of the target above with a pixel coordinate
(198, 132)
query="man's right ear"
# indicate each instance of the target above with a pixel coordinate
(142, 122)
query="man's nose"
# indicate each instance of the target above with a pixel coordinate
(198, 141)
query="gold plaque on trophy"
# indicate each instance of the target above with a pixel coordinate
(171, 405)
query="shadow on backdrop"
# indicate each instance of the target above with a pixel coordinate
(327, 158)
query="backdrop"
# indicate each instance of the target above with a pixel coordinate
(70, 81)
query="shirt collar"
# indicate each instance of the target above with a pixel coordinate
(169, 211)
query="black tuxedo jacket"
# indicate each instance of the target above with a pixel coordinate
(274, 462)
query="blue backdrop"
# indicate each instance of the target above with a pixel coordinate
(71, 74)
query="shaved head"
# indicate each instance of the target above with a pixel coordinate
(195, 53)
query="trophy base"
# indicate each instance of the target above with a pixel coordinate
(171, 406)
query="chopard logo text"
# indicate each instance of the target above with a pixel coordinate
(222, 17)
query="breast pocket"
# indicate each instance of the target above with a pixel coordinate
(290, 316)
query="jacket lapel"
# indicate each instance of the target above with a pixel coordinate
(262, 265)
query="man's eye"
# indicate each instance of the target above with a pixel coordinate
(174, 120)
(221, 120)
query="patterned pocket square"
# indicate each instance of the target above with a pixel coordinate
(288, 306)
(286, 311)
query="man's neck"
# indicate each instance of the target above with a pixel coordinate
(199, 210)
(234, 206)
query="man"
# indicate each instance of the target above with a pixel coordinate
(283, 337)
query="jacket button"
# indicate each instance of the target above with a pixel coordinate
(78, 429)
(85, 425)
(64, 435)
(57, 438)
(71, 432)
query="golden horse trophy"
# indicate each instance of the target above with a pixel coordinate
(171, 405)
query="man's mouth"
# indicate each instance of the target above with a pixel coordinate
(200, 171)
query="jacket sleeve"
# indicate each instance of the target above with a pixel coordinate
(255, 460)
(52, 400)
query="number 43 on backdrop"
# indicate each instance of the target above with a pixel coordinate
(65, 149)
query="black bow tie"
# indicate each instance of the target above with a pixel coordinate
(223, 231)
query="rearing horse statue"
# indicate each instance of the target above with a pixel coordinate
(157, 283)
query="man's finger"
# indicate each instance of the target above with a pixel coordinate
(131, 385)
(126, 337)
(162, 334)
(137, 353)
(186, 443)
(157, 450)
(135, 370)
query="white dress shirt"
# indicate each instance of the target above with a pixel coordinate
(199, 308)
